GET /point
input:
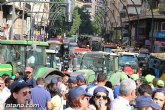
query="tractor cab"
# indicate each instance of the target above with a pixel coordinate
(17, 54)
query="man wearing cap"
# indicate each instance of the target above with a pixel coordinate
(136, 78)
(127, 94)
(77, 98)
(128, 70)
(160, 84)
(81, 81)
(41, 96)
(28, 77)
(149, 80)
(146, 102)
(72, 82)
(54, 82)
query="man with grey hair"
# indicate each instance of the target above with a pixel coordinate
(127, 94)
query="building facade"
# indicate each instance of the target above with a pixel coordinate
(147, 27)
(18, 20)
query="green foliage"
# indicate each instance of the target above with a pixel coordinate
(86, 25)
(97, 23)
(76, 22)
(57, 21)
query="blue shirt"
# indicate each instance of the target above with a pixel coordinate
(90, 86)
(116, 91)
(31, 82)
(40, 96)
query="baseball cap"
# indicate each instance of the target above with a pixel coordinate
(54, 80)
(18, 85)
(123, 76)
(72, 79)
(146, 101)
(101, 89)
(77, 92)
(81, 78)
(28, 69)
(149, 78)
(160, 90)
(160, 83)
(134, 77)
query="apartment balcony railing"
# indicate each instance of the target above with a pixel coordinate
(161, 7)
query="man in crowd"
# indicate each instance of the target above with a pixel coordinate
(144, 90)
(146, 103)
(101, 81)
(8, 82)
(28, 77)
(41, 96)
(4, 93)
(72, 82)
(127, 94)
(18, 76)
(81, 81)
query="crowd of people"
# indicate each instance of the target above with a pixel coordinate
(73, 93)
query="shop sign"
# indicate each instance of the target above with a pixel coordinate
(159, 34)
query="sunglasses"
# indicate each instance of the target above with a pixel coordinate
(26, 92)
(99, 96)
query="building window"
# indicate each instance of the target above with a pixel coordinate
(163, 26)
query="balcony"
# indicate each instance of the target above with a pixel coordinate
(88, 4)
(27, 6)
(161, 7)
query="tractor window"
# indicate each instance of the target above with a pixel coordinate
(11, 53)
(109, 64)
(35, 57)
(2, 60)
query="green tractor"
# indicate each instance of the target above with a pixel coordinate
(15, 55)
(96, 62)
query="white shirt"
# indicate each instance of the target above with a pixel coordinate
(31, 60)
(120, 104)
(84, 87)
(69, 108)
(4, 95)
(111, 96)
(62, 87)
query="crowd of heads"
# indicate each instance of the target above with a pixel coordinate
(146, 93)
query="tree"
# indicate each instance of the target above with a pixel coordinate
(57, 24)
(76, 22)
(97, 23)
(86, 25)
